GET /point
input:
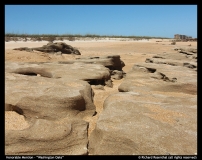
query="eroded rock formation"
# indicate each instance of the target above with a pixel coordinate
(54, 109)
(53, 48)
(113, 62)
(54, 98)
(153, 114)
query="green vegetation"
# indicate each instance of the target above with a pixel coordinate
(52, 36)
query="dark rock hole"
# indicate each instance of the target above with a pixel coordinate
(151, 70)
(46, 75)
(96, 82)
(9, 107)
(29, 74)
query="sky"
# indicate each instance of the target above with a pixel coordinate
(124, 20)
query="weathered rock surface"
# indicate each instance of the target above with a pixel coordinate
(92, 73)
(54, 108)
(190, 53)
(176, 59)
(172, 62)
(113, 62)
(53, 47)
(54, 98)
(186, 50)
(24, 49)
(152, 123)
(48, 98)
(45, 137)
(155, 113)
(46, 94)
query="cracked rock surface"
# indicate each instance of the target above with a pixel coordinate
(117, 98)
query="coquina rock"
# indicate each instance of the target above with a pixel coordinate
(54, 102)
(45, 137)
(53, 47)
(53, 109)
(155, 113)
(92, 73)
(149, 123)
(53, 98)
(113, 62)
(48, 98)
(187, 59)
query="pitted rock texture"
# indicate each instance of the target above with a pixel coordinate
(154, 114)
(54, 99)
(47, 98)
(45, 137)
(148, 123)
(93, 73)
(113, 62)
(187, 59)
(54, 110)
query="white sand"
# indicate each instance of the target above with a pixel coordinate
(17, 44)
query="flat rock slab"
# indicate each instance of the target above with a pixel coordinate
(192, 65)
(45, 137)
(187, 50)
(46, 94)
(156, 113)
(113, 62)
(54, 109)
(93, 73)
(175, 59)
(175, 56)
(172, 62)
(47, 98)
(146, 124)
(162, 77)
